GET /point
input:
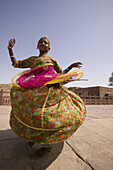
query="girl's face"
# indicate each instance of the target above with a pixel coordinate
(43, 45)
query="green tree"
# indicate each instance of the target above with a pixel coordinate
(111, 80)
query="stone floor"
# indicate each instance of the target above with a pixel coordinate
(90, 148)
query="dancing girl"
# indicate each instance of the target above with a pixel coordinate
(43, 110)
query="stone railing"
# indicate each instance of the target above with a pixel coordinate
(5, 97)
(88, 100)
(97, 100)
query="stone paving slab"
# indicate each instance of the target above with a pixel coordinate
(93, 142)
(68, 160)
(4, 117)
(14, 155)
(91, 147)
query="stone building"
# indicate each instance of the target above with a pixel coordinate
(93, 91)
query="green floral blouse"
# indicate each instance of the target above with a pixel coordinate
(34, 61)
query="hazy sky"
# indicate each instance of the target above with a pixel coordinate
(78, 30)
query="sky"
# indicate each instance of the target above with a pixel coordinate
(78, 30)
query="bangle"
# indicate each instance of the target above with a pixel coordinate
(67, 69)
(12, 57)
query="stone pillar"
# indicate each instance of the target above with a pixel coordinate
(1, 97)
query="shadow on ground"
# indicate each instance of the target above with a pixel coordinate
(15, 154)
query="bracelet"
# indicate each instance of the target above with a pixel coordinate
(67, 69)
(12, 57)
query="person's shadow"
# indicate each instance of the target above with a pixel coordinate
(16, 154)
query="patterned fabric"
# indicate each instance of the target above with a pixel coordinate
(34, 61)
(42, 76)
(45, 115)
(37, 76)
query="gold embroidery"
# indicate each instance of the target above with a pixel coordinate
(45, 67)
(47, 76)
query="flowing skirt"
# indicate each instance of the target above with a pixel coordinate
(45, 115)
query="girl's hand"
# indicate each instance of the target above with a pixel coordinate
(78, 65)
(11, 43)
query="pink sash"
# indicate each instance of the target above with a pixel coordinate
(37, 76)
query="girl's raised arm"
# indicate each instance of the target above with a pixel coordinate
(10, 48)
(20, 63)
